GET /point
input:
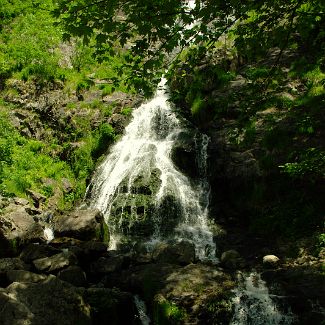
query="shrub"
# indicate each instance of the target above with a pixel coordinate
(105, 136)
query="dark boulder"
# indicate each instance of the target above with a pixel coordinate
(48, 302)
(74, 275)
(55, 262)
(111, 306)
(181, 253)
(81, 224)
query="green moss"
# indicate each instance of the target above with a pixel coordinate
(167, 313)
(127, 111)
(104, 236)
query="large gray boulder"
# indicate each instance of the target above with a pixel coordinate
(108, 265)
(23, 276)
(81, 224)
(55, 262)
(18, 228)
(49, 302)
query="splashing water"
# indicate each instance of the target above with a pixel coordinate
(145, 150)
(255, 306)
(142, 310)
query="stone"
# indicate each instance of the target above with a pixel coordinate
(270, 261)
(35, 251)
(21, 201)
(37, 198)
(47, 302)
(74, 275)
(81, 224)
(55, 262)
(4, 202)
(23, 276)
(66, 185)
(133, 213)
(231, 259)
(181, 253)
(89, 251)
(64, 242)
(108, 265)
(18, 228)
(33, 211)
(201, 292)
(111, 306)
(8, 264)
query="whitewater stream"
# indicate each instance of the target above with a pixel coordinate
(254, 305)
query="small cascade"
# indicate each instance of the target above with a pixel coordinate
(140, 191)
(142, 310)
(254, 305)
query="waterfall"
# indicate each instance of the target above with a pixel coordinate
(255, 306)
(141, 192)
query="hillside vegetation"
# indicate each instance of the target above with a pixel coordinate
(55, 121)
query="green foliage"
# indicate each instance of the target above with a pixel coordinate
(321, 240)
(84, 84)
(25, 167)
(254, 28)
(82, 56)
(168, 313)
(276, 137)
(311, 163)
(31, 47)
(105, 137)
(255, 73)
(127, 111)
(250, 133)
(198, 106)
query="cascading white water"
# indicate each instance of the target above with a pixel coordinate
(255, 306)
(142, 310)
(147, 146)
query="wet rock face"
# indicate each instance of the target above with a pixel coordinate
(185, 160)
(134, 205)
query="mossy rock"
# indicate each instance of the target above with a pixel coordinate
(131, 213)
(166, 312)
